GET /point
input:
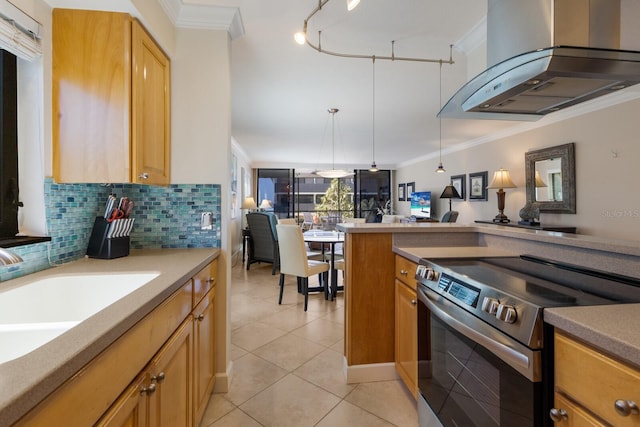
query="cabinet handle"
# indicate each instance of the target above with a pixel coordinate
(143, 175)
(626, 407)
(200, 317)
(413, 302)
(403, 272)
(148, 390)
(558, 415)
(211, 280)
(158, 378)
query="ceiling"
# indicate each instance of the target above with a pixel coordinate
(281, 91)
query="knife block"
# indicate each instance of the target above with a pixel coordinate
(100, 246)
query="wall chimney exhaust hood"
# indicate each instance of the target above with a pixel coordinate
(583, 61)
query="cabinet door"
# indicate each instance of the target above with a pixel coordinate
(91, 81)
(406, 344)
(171, 372)
(574, 415)
(204, 361)
(204, 280)
(151, 132)
(130, 410)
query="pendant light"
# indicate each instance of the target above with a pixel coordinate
(352, 4)
(374, 167)
(440, 168)
(333, 172)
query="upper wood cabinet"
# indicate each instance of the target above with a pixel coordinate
(111, 100)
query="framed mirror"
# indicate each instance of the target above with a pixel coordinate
(551, 178)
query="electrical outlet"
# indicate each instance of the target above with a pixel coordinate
(206, 221)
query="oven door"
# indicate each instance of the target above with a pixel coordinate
(470, 374)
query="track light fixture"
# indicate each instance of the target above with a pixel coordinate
(301, 37)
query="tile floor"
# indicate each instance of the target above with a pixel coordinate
(287, 364)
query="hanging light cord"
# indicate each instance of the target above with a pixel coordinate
(373, 116)
(440, 116)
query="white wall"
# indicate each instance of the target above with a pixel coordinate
(201, 145)
(607, 153)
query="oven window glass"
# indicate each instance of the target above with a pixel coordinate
(466, 385)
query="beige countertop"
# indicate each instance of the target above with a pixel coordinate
(414, 254)
(579, 241)
(612, 328)
(25, 381)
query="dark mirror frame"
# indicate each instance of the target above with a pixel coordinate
(566, 153)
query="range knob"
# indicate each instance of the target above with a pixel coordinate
(490, 305)
(507, 313)
(431, 274)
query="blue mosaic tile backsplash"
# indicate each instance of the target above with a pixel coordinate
(165, 217)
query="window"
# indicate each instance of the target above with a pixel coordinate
(8, 146)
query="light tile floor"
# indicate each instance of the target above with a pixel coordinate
(287, 364)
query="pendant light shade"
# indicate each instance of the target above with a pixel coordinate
(352, 4)
(333, 172)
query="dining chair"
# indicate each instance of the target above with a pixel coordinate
(354, 220)
(307, 223)
(287, 221)
(294, 261)
(339, 265)
(450, 216)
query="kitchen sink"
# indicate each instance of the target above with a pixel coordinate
(37, 312)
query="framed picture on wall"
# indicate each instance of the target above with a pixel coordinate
(411, 188)
(458, 183)
(401, 192)
(478, 186)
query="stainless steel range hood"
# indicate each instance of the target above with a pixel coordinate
(583, 62)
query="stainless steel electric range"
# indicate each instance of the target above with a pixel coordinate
(485, 356)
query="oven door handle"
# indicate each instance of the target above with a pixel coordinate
(522, 359)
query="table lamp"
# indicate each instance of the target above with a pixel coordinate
(501, 180)
(249, 203)
(265, 204)
(450, 192)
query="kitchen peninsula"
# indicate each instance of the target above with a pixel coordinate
(370, 251)
(36, 383)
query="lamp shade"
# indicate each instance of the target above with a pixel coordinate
(265, 204)
(334, 173)
(351, 4)
(539, 181)
(249, 203)
(450, 192)
(501, 179)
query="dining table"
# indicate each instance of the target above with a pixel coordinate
(330, 239)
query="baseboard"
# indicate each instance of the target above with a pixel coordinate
(370, 372)
(223, 380)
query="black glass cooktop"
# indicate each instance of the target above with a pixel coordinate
(546, 283)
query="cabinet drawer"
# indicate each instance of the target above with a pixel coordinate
(204, 280)
(575, 416)
(595, 381)
(405, 271)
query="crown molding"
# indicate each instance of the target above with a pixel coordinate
(185, 14)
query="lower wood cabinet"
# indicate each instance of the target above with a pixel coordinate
(204, 355)
(593, 388)
(160, 373)
(131, 408)
(406, 326)
(171, 372)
